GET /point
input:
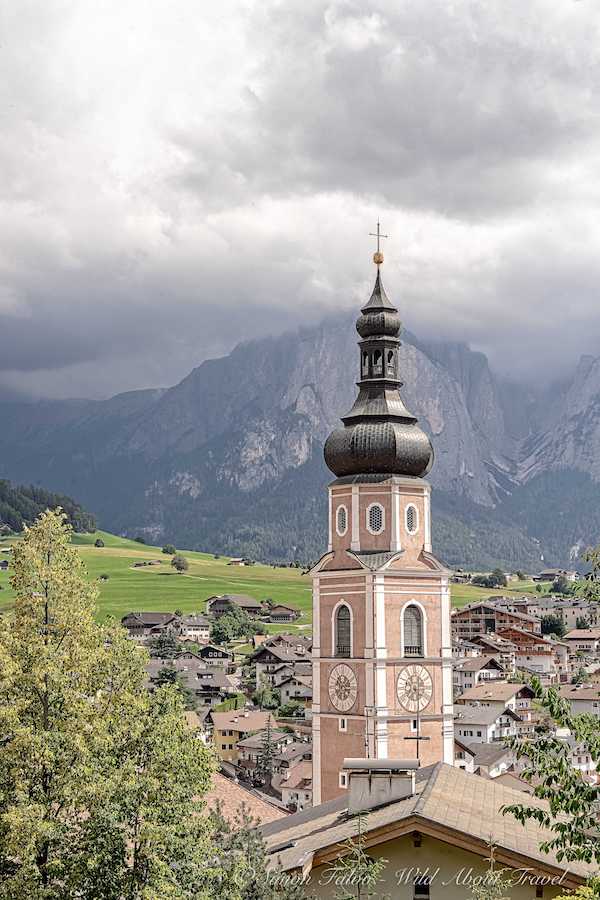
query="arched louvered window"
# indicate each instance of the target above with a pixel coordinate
(413, 631)
(342, 631)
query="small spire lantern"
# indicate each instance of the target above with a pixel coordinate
(379, 435)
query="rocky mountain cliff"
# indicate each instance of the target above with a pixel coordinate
(230, 459)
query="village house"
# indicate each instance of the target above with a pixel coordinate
(283, 614)
(436, 819)
(503, 650)
(534, 652)
(223, 603)
(583, 641)
(464, 755)
(475, 669)
(484, 724)
(269, 658)
(144, 625)
(465, 649)
(296, 789)
(250, 748)
(287, 670)
(215, 655)
(484, 617)
(553, 574)
(229, 728)
(503, 695)
(208, 685)
(582, 697)
(296, 688)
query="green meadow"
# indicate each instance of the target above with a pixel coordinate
(161, 588)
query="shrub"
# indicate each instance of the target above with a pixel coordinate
(180, 563)
(169, 550)
(98, 542)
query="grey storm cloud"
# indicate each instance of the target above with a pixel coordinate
(178, 177)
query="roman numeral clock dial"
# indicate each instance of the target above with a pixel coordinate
(414, 688)
(343, 687)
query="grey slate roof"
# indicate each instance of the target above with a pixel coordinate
(481, 715)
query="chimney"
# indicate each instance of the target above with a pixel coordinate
(375, 782)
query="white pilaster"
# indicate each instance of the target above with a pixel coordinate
(427, 511)
(396, 543)
(381, 706)
(330, 531)
(355, 542)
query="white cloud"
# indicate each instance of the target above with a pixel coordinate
(180, 176)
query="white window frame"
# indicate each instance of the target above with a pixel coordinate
(342, 724)
(406, 509)
(343, 780)
(369, 508)
(337, 521)
(423, 622)
(342, 602)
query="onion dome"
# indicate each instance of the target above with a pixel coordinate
(379, 435)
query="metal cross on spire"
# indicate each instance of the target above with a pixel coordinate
(378, 255)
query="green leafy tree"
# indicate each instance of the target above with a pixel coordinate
(561, 585)
(291, 710)
(98, 542)
(357, 875)
(169, 675)
(265, 696)
(589, 891)
(589, 587)
(582, 622)
(235, 623)
(498, 578)
(164, 646)
(180, 563)
(169, 550)
(552, 624)
(240, 850)
(99, 780)
(571, 816)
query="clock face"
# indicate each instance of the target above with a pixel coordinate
(414, 688)
(343, 687)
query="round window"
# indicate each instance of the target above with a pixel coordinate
(412, 519)
(341, 520)
(375, 518)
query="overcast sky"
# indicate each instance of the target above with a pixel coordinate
(177, 176)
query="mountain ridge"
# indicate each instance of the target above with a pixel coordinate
(231, 457)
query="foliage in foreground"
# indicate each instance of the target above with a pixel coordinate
(100, 782)
(571, 814)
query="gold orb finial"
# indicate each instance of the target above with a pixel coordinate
(378, 255)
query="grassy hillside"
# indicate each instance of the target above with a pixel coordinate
(160, 588)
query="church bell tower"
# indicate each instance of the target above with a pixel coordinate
(382, 657)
